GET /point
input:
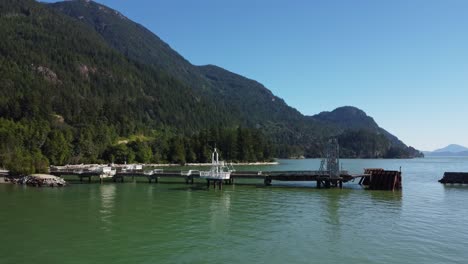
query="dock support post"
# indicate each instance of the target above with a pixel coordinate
(208, 184)
(319, 184)
(220, 184)
(214, 184)
(191, 180)
(89, 179)
(341, 184)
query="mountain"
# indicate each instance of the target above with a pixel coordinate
(130, 38)
(349, 117)
(454, 148)
(250, 101)
(77, 79)
(447, 154)
(361, 136)
(450, 150)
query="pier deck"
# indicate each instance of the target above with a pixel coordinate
(321, 177)
(374, 179)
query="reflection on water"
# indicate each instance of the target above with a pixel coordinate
(107, 205)
(332, 205)
(176, 223)
(388, 197)
(219, 211)
(455, 187)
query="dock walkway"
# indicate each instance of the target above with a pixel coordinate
(321, 177)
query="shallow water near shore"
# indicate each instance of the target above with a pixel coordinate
(137, 222)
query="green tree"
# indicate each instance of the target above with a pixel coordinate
(143, 152)
(177, 151)
(119, 154)
(20, 163)
(57, 148)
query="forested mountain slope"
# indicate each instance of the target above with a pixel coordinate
(78, 78)
(247, 99)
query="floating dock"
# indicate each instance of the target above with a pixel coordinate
(455, 177)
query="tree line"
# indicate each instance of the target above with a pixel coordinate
(30, 146)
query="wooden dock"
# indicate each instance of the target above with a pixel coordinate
(455, 177)
(375, 179)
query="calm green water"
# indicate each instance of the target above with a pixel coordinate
(285, 223)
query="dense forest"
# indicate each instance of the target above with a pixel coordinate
(29, 146)
(75, 88)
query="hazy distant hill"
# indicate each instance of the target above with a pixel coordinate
(450, 150)
(446, 154)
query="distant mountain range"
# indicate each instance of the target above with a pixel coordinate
(450, 150)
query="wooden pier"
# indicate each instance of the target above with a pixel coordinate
(455, 177)
(375, 179)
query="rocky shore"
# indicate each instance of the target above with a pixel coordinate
(38, 180)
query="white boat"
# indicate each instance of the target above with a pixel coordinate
(219, 170)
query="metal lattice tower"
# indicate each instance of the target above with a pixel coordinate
(330, 165)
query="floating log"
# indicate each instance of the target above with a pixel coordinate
(455, 177)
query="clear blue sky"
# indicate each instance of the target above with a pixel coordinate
(403, 62)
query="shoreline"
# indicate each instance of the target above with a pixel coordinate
(80, 166)
(209, 164)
